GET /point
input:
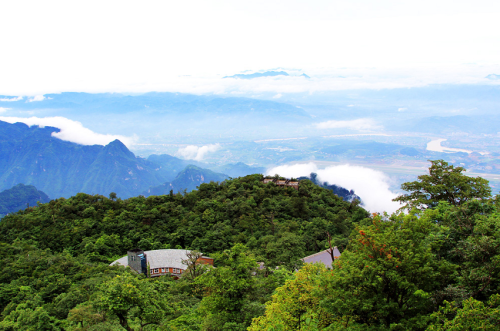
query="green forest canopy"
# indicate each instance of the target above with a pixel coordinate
(433, 269)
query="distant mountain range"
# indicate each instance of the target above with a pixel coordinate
(239, 169)
(263, 74)
(170, 165)
(30, 155)
(19, 197)
(188, 179)
(155, 103)
(259, 74)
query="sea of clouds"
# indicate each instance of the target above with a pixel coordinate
(197, 153)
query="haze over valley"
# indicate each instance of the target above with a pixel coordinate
(391, 131)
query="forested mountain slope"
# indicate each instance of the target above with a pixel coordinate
(55, 257)
(19, 197)
(435, 268)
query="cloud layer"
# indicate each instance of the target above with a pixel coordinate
(36, 98)
(196, 153)
(360, 124)
(72, 131)
(370, 185)
(11, 99)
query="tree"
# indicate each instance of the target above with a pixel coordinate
(226, 288)
(474, 315)
(112, 196)
(387, 275)
(443, 183)
(123, 294)
(294, 303)
(194, 267)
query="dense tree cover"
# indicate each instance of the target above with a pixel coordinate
(55, 256)
(434, 268)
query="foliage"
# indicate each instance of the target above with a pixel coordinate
(294, 303)
(443, 183)
(62, 263)
(388, 274)
(225, 288)
(474, 315)
(434, 268)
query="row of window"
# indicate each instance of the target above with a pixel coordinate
(165, 270)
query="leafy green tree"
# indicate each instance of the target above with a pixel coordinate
(226, 287)
(127, 296)
(474, 315)
(112, 196)
(443, 183)
(470, 237)
(294, 305)
(387, 275)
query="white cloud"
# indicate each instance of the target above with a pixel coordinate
(453, 32)
(72, 131)
(196, 153)
(11, 99)
(359, 124)
(402, 109)
(3, 110)
(277, 96)
(36, 98)
(370, 185)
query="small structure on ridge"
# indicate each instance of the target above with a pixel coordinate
(282, 182)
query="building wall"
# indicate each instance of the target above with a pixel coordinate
(206, 260)
(134, 261)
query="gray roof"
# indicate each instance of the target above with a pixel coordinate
(161, 258)
(323, 256)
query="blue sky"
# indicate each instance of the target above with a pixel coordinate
(52, 46)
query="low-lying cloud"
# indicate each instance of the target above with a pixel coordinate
(360, 124)
(370, 185)
(72, 131)
(3, 110)
(196, 153)
(11, 99)
(36, 98)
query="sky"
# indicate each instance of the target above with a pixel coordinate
(117, 46)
